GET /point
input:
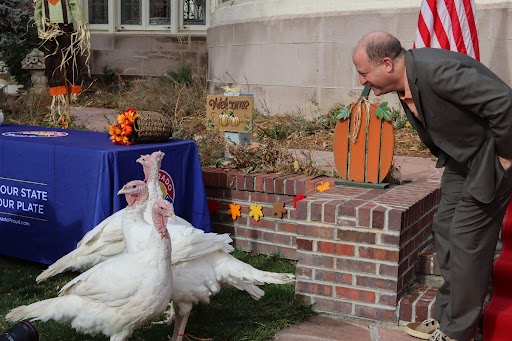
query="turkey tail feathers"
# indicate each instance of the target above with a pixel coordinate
(53, 308)
(56, 268)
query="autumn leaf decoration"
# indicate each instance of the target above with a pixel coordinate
(121, 132)
(278, 209)
(298, 198)
(324, 186)
(234, 210)
(256, 212)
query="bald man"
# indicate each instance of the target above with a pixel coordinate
(463, 114)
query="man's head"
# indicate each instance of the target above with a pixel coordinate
(379, 60)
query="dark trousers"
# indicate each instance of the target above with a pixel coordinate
(63, 75)
(465, 233)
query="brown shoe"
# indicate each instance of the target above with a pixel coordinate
(422, 330)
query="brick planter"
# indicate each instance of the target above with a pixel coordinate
(356, 247)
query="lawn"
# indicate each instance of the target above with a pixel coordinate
(231, 315)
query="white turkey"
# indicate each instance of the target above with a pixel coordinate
(106, 239)
(197, 279)
(118, 295)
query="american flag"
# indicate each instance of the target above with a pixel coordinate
(448, 24)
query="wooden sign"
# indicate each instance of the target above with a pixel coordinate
(230, 113)
(363, 142)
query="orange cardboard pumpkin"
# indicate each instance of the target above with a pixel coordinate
(363, 141)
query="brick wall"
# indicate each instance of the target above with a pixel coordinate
(356, 247)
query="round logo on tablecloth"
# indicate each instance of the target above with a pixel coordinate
(35, 134)
(166, 185)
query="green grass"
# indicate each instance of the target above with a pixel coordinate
(231, 315)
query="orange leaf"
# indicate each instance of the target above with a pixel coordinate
(323, 186)
(234, 210)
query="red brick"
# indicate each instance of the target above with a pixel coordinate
(279, 184)
(337, 249)
(378, 254)
(316, 210)
(304, 272)
(387, 299)
(289, 185)
(249, 182)
(223, 180)
(355, 294)
(356, 236)
(395, 219)
(286, 227)
(316, 260)
(263, 223)
(278, 238)
(315, 231)
(314, 288)
(263, 198)
(240, 182)
(364, 214)
(304, 244)
(388, 239)
(379, 217)
(355, 265)
(287, 252)
(332, 306)
(330, 209)
(300, 185)
(242, 244)
(268, 182)
(243, 232)
(207, 177)
(375, 313)
(388, 270)
(259, 181)
(302, 209)
(265, 248)
(236, 195)
(376, 283)
(333, 276)
(349, 207)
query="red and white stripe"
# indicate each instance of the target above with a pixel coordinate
(448, 24)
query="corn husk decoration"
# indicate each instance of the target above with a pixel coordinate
(63, 30)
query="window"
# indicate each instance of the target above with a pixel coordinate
(98, 12)
(131, 12)
(194, 12)
(140, 15)
(159, 12)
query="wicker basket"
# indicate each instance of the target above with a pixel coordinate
(151, 127)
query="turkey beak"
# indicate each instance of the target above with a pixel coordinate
(121, 191)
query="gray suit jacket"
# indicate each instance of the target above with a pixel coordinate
(466, 112)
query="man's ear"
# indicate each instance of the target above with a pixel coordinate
(388, 64)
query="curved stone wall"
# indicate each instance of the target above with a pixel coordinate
(295, 56)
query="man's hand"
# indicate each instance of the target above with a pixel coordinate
(505, 163)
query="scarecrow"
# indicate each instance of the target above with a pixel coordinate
(62, 27)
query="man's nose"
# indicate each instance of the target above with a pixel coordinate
(362, 80)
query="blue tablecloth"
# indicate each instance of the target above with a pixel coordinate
(55, 189)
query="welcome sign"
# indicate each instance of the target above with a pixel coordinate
(230, 113)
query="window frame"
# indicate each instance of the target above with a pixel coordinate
(177, 25)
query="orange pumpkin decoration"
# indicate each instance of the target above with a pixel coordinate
(363, 141)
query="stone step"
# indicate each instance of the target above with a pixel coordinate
(417, 304)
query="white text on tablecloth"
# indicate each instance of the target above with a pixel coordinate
(23, 199)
